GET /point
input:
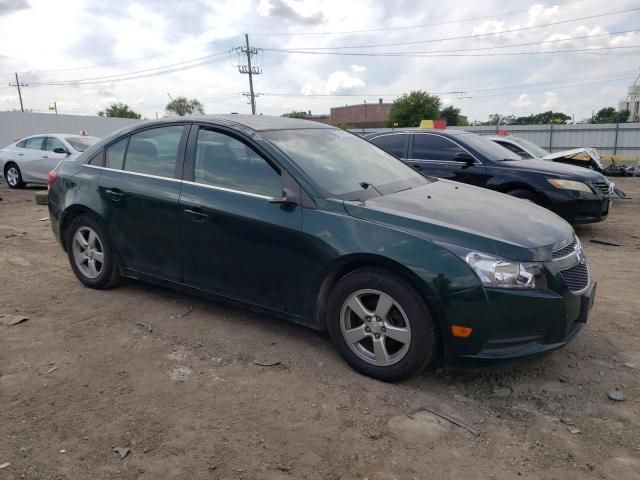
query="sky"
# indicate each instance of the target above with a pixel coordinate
(317, 54)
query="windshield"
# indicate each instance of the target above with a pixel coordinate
(530, 147)
(81, 143)
(488, 148)
(339, 162)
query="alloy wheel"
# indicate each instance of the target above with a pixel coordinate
(88, 253)
(375, 327)
(12, 176)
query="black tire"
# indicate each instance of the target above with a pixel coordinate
(525, 194)
(18, 183)
(108, 275)
(424, 343)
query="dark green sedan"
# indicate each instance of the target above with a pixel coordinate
(314, 224)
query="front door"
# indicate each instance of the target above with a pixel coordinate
(235, 241)
(140, 189)
(50, 159)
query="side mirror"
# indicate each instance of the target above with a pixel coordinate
(464, 157)
(61, 150)
(292, 193)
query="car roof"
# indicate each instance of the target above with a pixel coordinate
(447, 132)
(257, 123)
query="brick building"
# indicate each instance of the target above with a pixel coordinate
(366, 115)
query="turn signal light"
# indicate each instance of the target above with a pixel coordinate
(462, 332)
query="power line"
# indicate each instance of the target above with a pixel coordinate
(429, 54)
(497, 47)
(463, 37)
(408, 27)
(132, 75)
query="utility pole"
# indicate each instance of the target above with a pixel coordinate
(249, 70)
(18, 85)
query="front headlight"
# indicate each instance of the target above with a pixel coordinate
(569, 185)
(499, 273)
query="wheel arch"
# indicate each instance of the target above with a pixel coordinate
(347, 264)
(69, 214)
(515, 185)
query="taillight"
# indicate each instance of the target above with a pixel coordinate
(51, 177)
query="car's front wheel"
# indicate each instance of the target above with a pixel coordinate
(90, 253)
(381, 325)
(13, 176)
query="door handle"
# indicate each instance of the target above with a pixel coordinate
(20, 154)
(115, 194)
(197, 215)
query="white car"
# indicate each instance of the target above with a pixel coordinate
(30, 159)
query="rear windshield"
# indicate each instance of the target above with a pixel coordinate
(81, 143)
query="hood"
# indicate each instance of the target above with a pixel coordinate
(548, 167)
(470, 217)
(591, 153)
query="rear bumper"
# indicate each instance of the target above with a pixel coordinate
(521, 327)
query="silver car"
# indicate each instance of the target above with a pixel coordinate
(30, 159)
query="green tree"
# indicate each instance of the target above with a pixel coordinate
(182, 106)
(543, 118)
(296, 114)
(497, 119)
(451, 115)
(410, 109)
(119, 110)
(609, 115)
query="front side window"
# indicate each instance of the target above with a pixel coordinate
(394, 143)
(154, 151)
(21, 143)
(34, 143)
(434, 147)
(115, 154)
(53, 143)
(224, 161)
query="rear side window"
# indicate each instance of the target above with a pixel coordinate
(154, 151)
(97, 160)
(115, 154)
(394, 144)
(433, 147)
(224, 161)
(34, 143)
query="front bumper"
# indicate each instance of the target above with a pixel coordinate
(517, 325)
(579, 208)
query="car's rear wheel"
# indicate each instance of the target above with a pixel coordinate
(528, 195)
(381, 325)
(90, 253)
(13, 176)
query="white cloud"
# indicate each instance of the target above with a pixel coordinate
(522, 101)
(550, 101)
(358, 68)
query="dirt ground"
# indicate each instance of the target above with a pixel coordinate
(178, 381)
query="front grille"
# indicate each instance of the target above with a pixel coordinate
(603, 187)
(564, 251)
(576, 278)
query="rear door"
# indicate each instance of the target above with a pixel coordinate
(235, 241)
(435, 155)
(30, 158)
(140, 188)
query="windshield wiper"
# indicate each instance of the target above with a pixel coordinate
(366, 185)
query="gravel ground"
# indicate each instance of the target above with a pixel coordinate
(176, 380)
